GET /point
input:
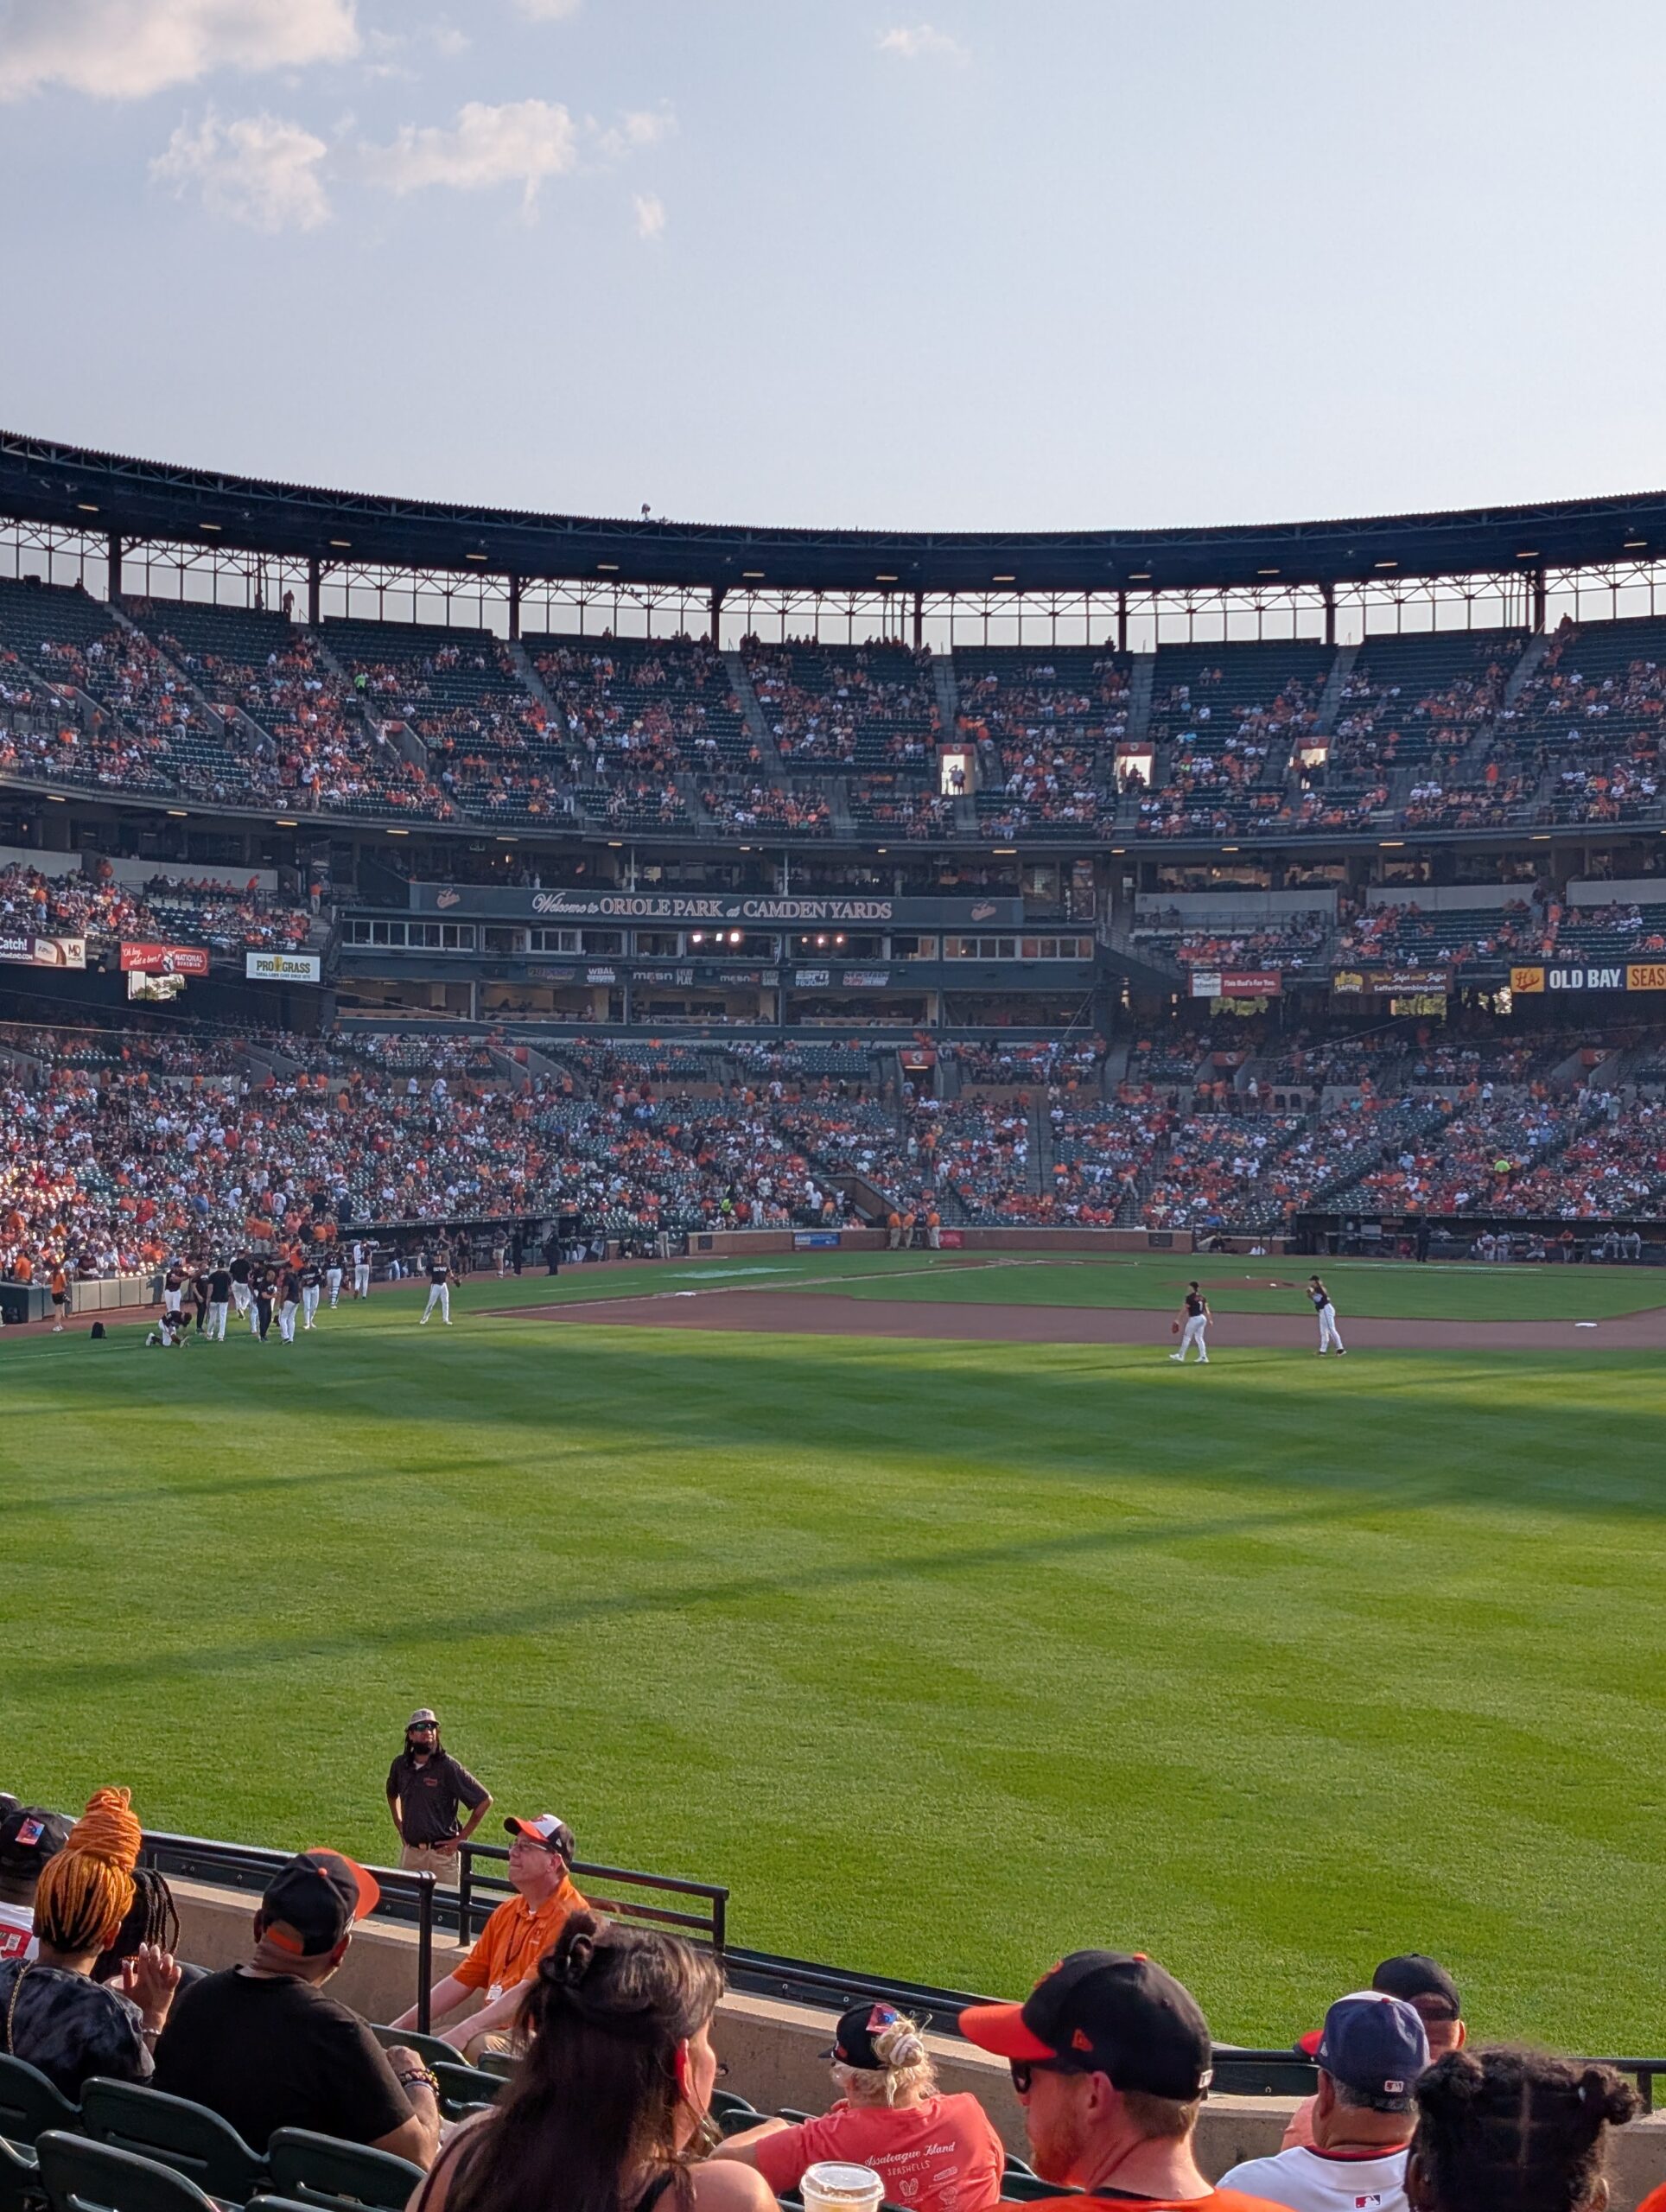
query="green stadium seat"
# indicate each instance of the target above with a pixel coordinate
(792, 2113)
(1018, 2186)
(190, 2137)
(496, 2061)
(80, 2176)
(724, 2100)
(1264, 2077)
(737, 2119)
(320, 2171)
(30, 2103)
(465, 2088)
(432, 2050)
(20, 2178)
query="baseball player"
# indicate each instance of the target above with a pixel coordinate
(360, 1267)
(333, 1275)
(1329, 1338)
(311, 1283)
(1196, 1318)
(439, 1286)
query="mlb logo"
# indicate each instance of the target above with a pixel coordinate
(1370, 2203)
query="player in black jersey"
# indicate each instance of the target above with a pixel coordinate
(439, 1286)
(1329, 1336)
(1195, 1326)
(219, 1297)
(312, 1281)
(200, 1296)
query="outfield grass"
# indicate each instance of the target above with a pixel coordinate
(944, 1655)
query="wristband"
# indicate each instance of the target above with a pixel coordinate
(420, 2074)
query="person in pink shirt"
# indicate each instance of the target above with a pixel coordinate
(934, 2153)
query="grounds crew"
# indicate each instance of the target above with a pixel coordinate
(426, 1786)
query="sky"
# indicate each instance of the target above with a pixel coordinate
(920, 264)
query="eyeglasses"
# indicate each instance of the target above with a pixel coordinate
(1023, 2068)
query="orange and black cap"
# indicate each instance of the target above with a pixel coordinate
(314, 1899)
(1112, 2012)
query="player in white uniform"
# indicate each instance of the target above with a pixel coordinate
(360, 1268)
(439, 1286)
(1329, 1337)
(1196, 1317)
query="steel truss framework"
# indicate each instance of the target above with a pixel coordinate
(1135, 619)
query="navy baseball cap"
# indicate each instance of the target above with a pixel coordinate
(853, 2041)
(1374, 2045)
(1112, 2012)
(29, 1835)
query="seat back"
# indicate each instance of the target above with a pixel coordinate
(81, 2176)
(187, 2137)
(1264, 2077)
(20, 2177)
(432, 2050)
(1025, 2188)
(319, 2169)
(30, 2103)
(462, 2087)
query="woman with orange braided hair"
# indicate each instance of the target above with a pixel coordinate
(52, 2012)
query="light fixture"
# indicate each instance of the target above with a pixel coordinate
(615, 844)
(180, 813)
(751, 575)
(1004, 580)
(1541, 836)
(56, 801)
(1390, 845)
(885, 579)
(1267, 572)
(82, 508)
(1530, 554)
(1633, 544)
(1139, 576)
(1005, 852)
(343, 542)
(211, 525)
(1228, 849)
(608, 568)
(278, 822)
(1385, 565)
(473, 557)
(399, 833)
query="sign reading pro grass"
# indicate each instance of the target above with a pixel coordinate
(282, 968)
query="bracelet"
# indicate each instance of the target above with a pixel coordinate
(420, 2074)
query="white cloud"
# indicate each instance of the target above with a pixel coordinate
(520, 142)
(637, 127)
(125, 49)
(548, 11)
(922, 40)
(650, 214)
(258, 170)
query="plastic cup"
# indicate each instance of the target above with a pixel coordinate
(834, 2188)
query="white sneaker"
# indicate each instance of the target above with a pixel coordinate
(1178, 1357)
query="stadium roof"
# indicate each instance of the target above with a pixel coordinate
(44, 482)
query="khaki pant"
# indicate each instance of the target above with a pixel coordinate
(424, 1858)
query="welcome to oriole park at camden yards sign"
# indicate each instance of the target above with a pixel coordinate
(1571, 975)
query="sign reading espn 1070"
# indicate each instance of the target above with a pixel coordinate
(1595, 975)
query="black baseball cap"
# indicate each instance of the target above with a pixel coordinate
(1112, 2012)
(29, 1835)
(1423, 1982)
(853, 2041)
(314, 1899)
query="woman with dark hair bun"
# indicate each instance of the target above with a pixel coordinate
(1508, 2130)
(610, 2109)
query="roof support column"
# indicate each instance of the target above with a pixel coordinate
(1538, 599)
(114, 557)
(1327, 593)
(1121, 621)
(717, 596)
(315, 581)
(920, 619)
(514, 607)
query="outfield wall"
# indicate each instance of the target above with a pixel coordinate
(773, 2048)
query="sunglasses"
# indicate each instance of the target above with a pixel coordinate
(1023, 2068)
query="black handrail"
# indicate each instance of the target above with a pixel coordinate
(710, 1927)
(249, 1866)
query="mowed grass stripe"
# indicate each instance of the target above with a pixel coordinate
(943, 1655)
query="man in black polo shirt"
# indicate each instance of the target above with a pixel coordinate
(426, 1786)
(262, 2045)
(220, 1299)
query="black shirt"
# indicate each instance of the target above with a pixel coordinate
(240, 1270)
(429, 1794)
(437, 1271)
(71, 2028)
(309, 1277)
(1321, 1296)
(269, 2053)
(219, 1287)
(1193, 1303)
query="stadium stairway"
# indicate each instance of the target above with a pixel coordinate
(1142, 684)
(521, 661)
(834, 790)
(1330, 699)
(250, 737)
(751, 714)
(947, 687)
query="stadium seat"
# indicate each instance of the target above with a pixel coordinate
(20, 2178)
(318, 2170)
(80, 2176)
(464, 2088)
(194, 2141)
(1020, 2186)
(736, 2119)
(1264, 2074)
(30, 2103)
(724, 2100)
(432, 2050)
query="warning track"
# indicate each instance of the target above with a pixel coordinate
(768, 1311)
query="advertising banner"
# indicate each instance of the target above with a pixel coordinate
(26, 950)
(1572, 975)
(1349, 982)
(1251, 983)
(701, 908)
(282, 968)
(813, 979)
(141, 985)
(165, 959)
(815, 1240)
(866, 979)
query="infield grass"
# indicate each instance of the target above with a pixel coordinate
(944, 1655)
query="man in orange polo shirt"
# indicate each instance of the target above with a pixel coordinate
(507, 1949)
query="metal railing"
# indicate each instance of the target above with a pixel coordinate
(709, 1927)
(246, 1867)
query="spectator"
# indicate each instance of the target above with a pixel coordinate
(611, 2105)
(1110, 2058)
(29, 1837)
(507, 1949)
(1430, 1991)
(262, 2045)
(55, 2015)
(151, 1920)
(936, 2153)
(426, 1786)
(1370, 2055)
(1515, 2131)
